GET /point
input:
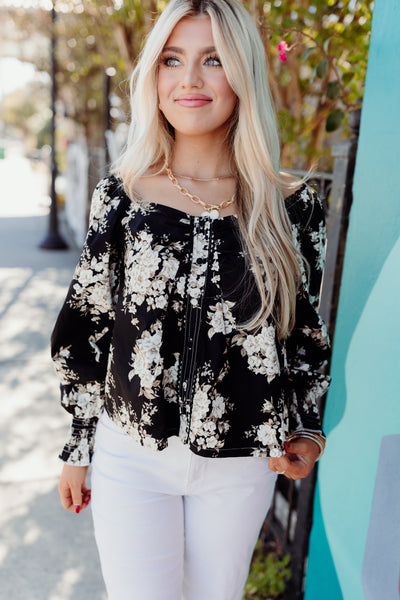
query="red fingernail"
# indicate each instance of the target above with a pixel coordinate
(286, 445)
(77, 508)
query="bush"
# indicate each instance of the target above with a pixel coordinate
(268, 576)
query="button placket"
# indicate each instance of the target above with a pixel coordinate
(196, 288)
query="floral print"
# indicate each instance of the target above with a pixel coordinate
(220, 318)
(149, 332)
(148, 270)
(261, 352)
(146, 361)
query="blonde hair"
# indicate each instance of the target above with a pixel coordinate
(253, 138)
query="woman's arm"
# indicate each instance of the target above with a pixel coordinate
(82, 334)
(307, 348)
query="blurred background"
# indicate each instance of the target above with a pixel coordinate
(85, 50)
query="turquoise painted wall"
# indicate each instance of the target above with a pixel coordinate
(362, 416)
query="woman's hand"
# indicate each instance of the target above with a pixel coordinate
(72, 488)
(299, 459)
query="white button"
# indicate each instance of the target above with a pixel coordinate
(212, 214)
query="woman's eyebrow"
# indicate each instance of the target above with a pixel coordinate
(205, 50)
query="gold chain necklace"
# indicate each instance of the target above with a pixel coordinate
(211, 210)
(205, 178)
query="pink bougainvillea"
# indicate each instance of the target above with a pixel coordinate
(282, 49)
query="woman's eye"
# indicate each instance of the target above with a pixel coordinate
(170, 61)
(213, 61)
(174, 61)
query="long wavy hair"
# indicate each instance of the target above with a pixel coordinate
(252, 137)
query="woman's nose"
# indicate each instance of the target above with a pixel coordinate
(192, 76)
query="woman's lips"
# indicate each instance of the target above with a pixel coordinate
(193, 101)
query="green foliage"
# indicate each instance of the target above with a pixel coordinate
(92, 36)
(323, 77)
(44, 135)
(313, 91)
(334, 119)
(24, 112)
(322, 69)
(307, 53)
(268, 576)
(333, 89)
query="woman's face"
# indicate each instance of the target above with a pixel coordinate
(194, 94)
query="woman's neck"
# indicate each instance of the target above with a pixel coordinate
(202, 158)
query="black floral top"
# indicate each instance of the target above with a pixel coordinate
(148, 332)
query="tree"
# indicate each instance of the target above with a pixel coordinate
(316, 78)
(95, 37)
(92, 36)
(24, 113)
(318, 75)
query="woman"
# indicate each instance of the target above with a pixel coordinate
(189, 344)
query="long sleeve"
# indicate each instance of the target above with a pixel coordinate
(81, 337)
(308, 347)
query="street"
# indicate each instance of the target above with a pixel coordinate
(46, 553)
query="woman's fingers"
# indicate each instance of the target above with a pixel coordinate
(65, 494)
(298, 461)
(291, 468)
(73, 492)
(299, 467)
(279, 465)
(86, 495)
(76, 493)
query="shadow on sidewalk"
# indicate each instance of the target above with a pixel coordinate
(20, 238)
(46, 553)
(41, 563)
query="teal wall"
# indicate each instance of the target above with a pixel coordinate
(363, 405)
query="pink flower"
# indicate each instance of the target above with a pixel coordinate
(282, 49)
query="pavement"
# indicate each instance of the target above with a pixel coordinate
(46, 553)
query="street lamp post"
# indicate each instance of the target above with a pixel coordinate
(107, 116)
(108, 136)
(53, 239)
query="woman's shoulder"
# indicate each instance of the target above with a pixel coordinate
(110, 187)
(146, 186)
(290, 184)
(302, 202)
(108, 200)
(110, 192)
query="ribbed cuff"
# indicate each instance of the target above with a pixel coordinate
(78, 449)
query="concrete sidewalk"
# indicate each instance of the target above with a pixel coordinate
(46, 553)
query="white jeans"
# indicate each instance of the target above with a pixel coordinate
(171, 525)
